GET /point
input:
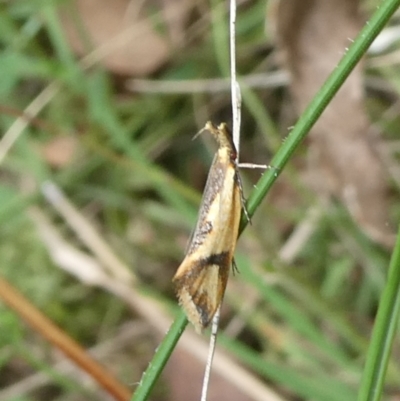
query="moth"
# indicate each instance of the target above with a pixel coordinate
(201, 279)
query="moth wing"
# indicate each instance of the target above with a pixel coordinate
(202, 276)
(200, 288)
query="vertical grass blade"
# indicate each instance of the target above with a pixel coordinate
(383, 333)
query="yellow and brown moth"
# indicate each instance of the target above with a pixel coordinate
(201, 278)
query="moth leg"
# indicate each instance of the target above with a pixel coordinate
(242, 198)
(234, 267)
(260, 166)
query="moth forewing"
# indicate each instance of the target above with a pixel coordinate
(202, 276)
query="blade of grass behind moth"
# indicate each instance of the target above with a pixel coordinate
(383, 333)
(160, 358)
(210, 357)
(320, 101)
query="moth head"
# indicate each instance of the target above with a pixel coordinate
(221, 133)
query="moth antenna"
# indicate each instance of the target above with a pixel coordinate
(208, 127)
(210, 357)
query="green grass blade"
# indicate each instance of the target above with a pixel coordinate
(160, 359)
(383, 334)
(74, 74)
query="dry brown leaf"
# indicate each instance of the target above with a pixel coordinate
(60, 151)
(122, 40)
(176, 14)
(314, 35)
